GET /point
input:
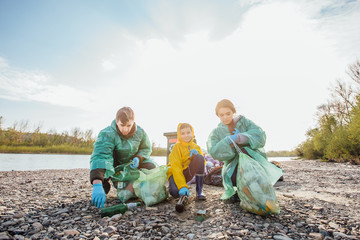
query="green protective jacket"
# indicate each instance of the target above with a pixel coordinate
(110, 147)
(220, 149)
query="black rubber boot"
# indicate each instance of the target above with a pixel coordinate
(233, 199)
(199, 186)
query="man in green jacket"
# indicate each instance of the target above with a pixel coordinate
(120, 143)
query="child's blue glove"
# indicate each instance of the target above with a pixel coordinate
(98, 195)
(184, 191)
(233, 138)
(194, 152)
(135, 163)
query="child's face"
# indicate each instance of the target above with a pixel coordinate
(125, 128)
(186, 134)
(226, 115)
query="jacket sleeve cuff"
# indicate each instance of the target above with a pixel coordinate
(97, 173)
(141, 158)
(242, 139)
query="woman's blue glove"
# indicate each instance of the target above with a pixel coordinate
(135, 163)
(98, 195)
(184, 191)
(236, 131)
(233, 138)
(194, 152)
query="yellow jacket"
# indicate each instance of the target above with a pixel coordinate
(179, 158)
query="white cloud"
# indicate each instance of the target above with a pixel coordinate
(108, 65)
(24, 85)
(3, 63)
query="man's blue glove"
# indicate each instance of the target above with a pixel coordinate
(184, 191)
(98, 195)
(135, 163)
(194, 152)
(233, 138)
(236, 131)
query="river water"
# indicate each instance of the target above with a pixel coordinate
(24, 162)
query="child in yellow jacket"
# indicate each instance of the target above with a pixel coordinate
(186, 160)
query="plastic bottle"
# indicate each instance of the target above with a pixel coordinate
(116, 209)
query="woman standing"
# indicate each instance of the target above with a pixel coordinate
(240, 130)
(121, 142)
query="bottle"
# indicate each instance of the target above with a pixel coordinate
(116, 209)
(180, 205)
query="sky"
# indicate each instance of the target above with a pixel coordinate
(72, 64)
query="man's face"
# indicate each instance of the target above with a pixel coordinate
(125, 127)
(186, 134)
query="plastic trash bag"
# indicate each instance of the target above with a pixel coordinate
(254, 188)
(150, 186)
(214, 177)
(255, 184)
(125, 191)
(123, 179)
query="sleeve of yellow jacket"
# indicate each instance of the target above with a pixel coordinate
(176, 166)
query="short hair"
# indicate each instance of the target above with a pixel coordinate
(125, 114)
(225, 103)
(185, 125)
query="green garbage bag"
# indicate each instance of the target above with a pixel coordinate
(150, 186)
(123, 180)
(125, 191)
(255, 183)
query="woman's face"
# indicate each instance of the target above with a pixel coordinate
(125, 128)
(226, 115)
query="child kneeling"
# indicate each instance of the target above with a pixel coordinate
(186, 160)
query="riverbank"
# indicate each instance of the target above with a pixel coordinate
(318, 200)
(54, 149)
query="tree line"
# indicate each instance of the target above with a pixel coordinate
(18, 139)
(336, 136)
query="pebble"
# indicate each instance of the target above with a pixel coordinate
(317, 236)
(190, 236)
(281, 237)
(71, 233)
(110, 229)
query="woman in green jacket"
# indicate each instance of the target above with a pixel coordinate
(120, 143)
(246, 134)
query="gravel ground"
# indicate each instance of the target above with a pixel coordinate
(318, 200)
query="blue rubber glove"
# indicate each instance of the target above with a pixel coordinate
(194, 152)
(135, 163)
(236, 131)
(98, 195)
(184, 191)
(233, 138)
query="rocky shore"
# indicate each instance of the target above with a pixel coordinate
(318, 200)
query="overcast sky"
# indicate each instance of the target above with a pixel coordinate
(66, 64)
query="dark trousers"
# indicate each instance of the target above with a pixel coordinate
(196, 167)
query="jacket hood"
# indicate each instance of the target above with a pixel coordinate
(179, 135)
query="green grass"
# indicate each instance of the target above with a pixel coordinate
(60, 149)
